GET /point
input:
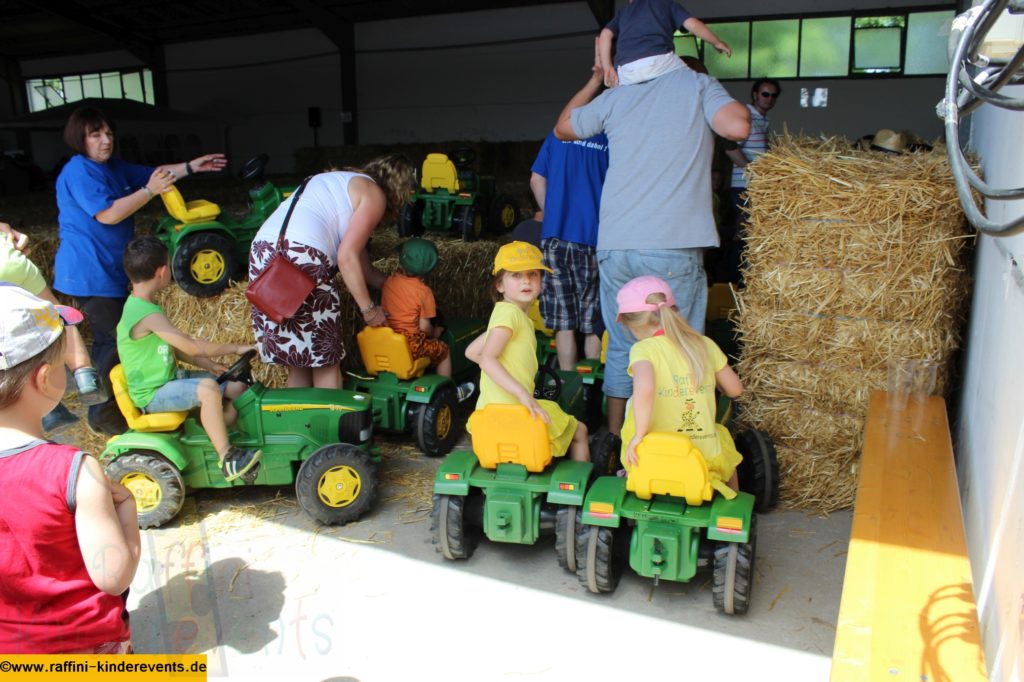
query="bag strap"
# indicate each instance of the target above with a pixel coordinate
(288, 215)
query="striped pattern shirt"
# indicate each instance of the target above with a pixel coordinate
(755, 144)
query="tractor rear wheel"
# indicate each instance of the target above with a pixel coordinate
(759, 471)
(567, 521)
(410, 224)
(156, 485)
(337, 484)
(454, 536)
(204, 264)
(734, 573)
(437, 423)
(605, 453)
(598, 560)
(504, 214)
(468, 222)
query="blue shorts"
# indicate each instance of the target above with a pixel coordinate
(683, 269)
(181, 394)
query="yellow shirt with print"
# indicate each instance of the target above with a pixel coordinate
(681, 407)
(519, 358)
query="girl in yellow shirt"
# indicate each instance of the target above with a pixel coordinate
(675, 370)
(507, 352)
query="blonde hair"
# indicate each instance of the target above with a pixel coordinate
(688, 340)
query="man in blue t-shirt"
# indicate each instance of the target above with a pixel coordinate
(566, 180)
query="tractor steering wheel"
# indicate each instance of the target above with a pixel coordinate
(240, 371)
(253, 168)
(548, 385)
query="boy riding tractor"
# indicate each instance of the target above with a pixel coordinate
(319, 439)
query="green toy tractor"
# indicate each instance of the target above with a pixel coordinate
(670, 520)
(319, 439)
(508, 488)
(404, 397)
(207, 248)
(452, 197)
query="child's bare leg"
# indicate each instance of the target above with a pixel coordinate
(444, 368)
(232, 391)
(579, 449)
(734, 481)
(326, 377)
(299, 377)
(212, 417)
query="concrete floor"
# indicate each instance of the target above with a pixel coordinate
(247, 578)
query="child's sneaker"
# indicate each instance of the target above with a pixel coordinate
(465, 391)
(238, 462)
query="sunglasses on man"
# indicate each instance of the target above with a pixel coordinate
(770, 95)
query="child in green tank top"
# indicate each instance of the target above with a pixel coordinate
(150, 345)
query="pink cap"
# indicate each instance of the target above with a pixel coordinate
(632, 297)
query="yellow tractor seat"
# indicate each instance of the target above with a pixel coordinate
(197, 211)
(507, 434)
(439, 173)
(385, 350)
(669, 464)
(137, 421)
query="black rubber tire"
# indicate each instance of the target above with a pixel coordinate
(758, 473)
(432, 437)
(547, 385)
(503, 214)
(454, 537)
(254, 167)
(605, 454)
(733, 577)
(410, 223)
(468, 223)
(181, 266)
(324, 461)
(165, 474)
(567, 522)
(598, 560)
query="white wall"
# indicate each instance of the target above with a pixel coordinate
(990, 435)
(492, 92)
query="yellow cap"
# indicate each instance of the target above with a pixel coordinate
(517, 257)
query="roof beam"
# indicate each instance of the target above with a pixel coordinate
(122, 38)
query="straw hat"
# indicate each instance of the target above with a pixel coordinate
(885, 140)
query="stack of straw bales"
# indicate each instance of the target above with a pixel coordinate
(854, 259)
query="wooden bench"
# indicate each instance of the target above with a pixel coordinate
(907, 612)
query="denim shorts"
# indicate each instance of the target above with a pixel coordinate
(683, 269)
(181, 394)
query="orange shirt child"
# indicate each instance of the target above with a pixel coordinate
(410, 303)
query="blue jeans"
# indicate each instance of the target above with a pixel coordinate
(683, 269)
(181, 394)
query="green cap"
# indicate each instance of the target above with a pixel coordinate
(418, 256)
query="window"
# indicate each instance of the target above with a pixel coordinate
(911, 43)
(46, 93)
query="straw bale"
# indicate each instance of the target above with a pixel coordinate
(854, 259)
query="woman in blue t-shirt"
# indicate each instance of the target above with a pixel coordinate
(97, 197)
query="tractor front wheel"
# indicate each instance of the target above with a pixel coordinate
(337, 484)
(598, 560)
(204, 264)
(155, 483)
(734, 573)
(468, 222)
(437, 423)
(454, 536)
(567, 521)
